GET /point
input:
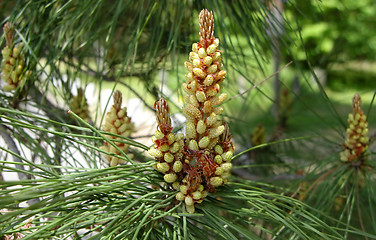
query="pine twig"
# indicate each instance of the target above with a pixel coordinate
(13, 147)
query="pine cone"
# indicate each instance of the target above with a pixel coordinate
(117, 122)
(357, 139)
(13, 65)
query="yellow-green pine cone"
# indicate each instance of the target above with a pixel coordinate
(168, 146)
(13, 64)
(199, 161)
(357, 138)
(78, 105)
(117, 122)
(203, 86)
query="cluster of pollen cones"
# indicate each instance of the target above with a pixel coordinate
(357, 139)
(199, 161)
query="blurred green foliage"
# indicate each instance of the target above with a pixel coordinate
(339, 37)
(335, 31)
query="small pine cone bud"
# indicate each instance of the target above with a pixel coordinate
(163, 167)
(344, 156)
(193, 56)
(190, 208)
(183, 189)
(218, 110)
(175, 147)
(219, 99)
(164, 147)
(180, 196)
(201, 127)
(215, 132)
(191, 111)
(187, 89)
(179, 137)
(156, 153)
(193, 100)
(211, 120)
(158, 134)
(193, 145)
(200, 95)
(122, 113)
(178, 166)
(220, 75)
(170, 177)
(17, 50)
(193, 85)
(218, 149)
(213, 90)
(188, 200)
(227, 156)
(196, 64)
(207, 107)
(211, 49)
(197, 195)
(176, 185)
(114, 161)
(207, 61)
(212, 69)
(8, 67)
(218, 159)
(170, 138)
(19, 69)
(219, 171)
(226, 166)
(213, 142)
(168, 157)
(199, 73)
(216, 42)
(217, 57)
(204, 194)
(190, 130)
(202, 53)
(117, 123)
(216, 181)
(189, 77)
(209, 80)
(204, 142)
(195, 47)
(188, 66)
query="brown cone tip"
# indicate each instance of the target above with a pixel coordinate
(163, 114)
(9, 34)
(206, 22)
(117, 99)
(80, 92)
(357, 104)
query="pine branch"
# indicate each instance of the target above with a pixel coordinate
(4, 132)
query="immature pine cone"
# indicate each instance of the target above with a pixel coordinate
(13, 70)
(117, 122)
(198, 162)
(78, 105)
(357, 134)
